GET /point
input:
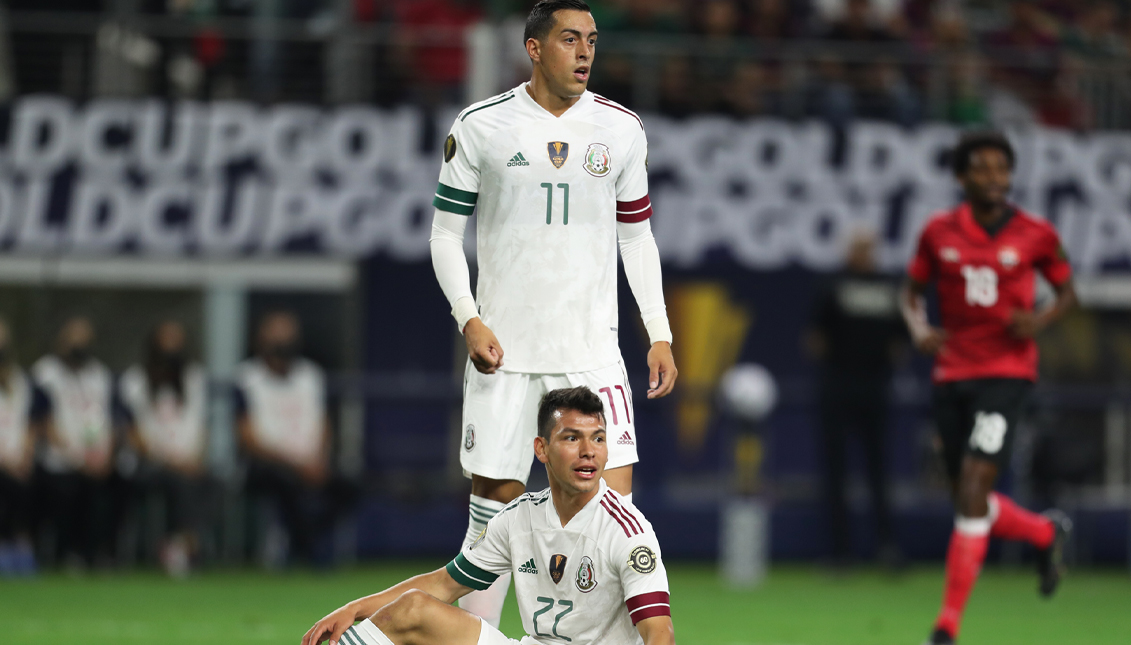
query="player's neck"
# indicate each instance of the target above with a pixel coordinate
(569, 504)
(539, 89)
(987, 214)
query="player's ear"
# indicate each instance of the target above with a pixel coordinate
(533, 49)
(540, 446)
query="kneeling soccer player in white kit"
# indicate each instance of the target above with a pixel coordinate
(586, 564)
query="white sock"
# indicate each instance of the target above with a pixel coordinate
(972, 526)
(364, 633)
(487, 604)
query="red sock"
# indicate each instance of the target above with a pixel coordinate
(963, 564)
(1016, 523)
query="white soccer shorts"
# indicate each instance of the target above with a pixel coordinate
(500, 418)
(489, 635)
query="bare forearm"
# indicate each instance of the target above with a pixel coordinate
(657, 630)
(913, 307)
(1065, 300)
(437, 584)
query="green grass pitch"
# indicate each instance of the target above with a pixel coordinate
(797, 606)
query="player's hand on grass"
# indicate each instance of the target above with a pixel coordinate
(929, 340)
(1024, 324)
(331, 627)
(661, 370)
(484, 349)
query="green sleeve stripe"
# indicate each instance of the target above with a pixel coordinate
(464, 197)
(480, 517)
(469, 575)
(484, 510)
(452, 207)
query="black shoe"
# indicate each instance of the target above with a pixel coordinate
(939, 637)
(1050, 561)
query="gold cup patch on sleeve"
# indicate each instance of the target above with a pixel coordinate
(450, 148)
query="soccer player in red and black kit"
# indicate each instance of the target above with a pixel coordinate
(983, 257)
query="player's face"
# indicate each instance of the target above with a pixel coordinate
(575, 454)
(566, 53)
(986, 181)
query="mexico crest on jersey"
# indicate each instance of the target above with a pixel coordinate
(586, 577)
(469, 438)
(559, 152)
(598, 161)
(557, 567)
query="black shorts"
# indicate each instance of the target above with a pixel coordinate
(979, 417)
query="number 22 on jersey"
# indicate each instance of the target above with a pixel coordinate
(549, 604)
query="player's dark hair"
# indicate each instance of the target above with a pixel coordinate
(541, 18)
(580, 399)
(971, 142)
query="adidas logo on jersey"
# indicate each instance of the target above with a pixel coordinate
(529, 567)
(518, 160)
(625, 440)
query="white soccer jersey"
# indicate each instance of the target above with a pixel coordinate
(589, 582)
(549, 192)
(172, 428)
(80, 408)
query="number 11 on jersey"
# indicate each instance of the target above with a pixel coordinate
(550, 202)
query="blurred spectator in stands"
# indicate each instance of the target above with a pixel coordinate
(830, 11)
(432, 41)
(966, 103)
(948, 29)
(775, 20)
(1095, 35)
(886, 95)
(1029, 30)
(165, 399)
(856, 335)
(750, 92)
(859, 24)
(677, 94)
(77, 458)
(639, 16)
(614, 78)
(828, 95)
(1027, 48)
(1061, 105)
(719, 21)
(283, 429)
(1022, 56)
(878, 87)
(20, 404)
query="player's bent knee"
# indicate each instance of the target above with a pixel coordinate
(406, 613)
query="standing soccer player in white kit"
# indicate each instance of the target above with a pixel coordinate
(558, 175)
(587, 564)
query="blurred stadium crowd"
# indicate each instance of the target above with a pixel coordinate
(1052, 62)
(100, 469)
